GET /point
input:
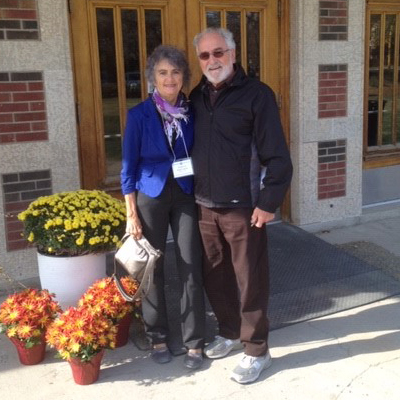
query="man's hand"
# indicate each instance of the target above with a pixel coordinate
(261, 217)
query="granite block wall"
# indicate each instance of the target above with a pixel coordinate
(327, 67)
(38, 137)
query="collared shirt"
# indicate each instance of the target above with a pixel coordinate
(214, 91)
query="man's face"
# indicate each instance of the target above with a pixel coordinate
(215, 68)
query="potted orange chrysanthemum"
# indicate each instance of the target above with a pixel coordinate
(81, 337)
(103, 297)
(24, 318)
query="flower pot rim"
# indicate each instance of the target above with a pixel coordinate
(78, 360)
(42, 253)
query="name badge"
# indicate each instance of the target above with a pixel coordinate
(182, 167)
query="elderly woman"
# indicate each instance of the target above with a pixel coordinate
(157, 182)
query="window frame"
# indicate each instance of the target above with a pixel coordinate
(380, 155)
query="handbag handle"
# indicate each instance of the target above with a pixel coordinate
(147, 276)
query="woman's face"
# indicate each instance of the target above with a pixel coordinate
(168, 81)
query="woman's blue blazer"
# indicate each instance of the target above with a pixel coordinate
(146, 156)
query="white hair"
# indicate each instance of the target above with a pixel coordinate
(224, 33)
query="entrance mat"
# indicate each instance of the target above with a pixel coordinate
(309, 278)
(375, 255)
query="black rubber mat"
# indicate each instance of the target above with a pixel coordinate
(309, 278)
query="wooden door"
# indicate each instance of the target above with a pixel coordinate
(111, 40)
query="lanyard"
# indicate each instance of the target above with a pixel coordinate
(169, 142)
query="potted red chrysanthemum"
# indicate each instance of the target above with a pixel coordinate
(103, 297)
(24, 318)
(81, 337)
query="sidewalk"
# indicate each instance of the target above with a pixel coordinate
(354, 354)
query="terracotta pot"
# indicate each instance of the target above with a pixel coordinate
(123, 330)
(86, 373)
(30, 356)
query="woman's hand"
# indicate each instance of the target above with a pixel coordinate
(134, 227)
(133, 224)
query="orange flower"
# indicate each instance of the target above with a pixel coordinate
(103, 297)
(25, 315)
(79, 333)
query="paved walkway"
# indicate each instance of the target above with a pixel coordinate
(350, 355)
(354, 354)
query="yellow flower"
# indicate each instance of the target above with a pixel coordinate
(12, 332)
(63, 339)
(25, 330)
(36, 332)
(67, 224)
(48, 224)
(66, 355)
(56, 222)
(22, 216)
(13, 315)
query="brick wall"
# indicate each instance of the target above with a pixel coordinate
(22, 107)
(331, 169)
(19, 20)
(332, 91)
(333, 19)
(19, 190)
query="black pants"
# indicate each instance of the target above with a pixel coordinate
(175, 208)
(236, 275)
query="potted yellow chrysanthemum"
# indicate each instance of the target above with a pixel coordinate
(73, 231)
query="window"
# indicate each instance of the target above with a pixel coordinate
(382, 102)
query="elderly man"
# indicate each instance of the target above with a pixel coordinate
(237, 129)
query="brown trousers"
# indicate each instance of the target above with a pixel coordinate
(236, 276)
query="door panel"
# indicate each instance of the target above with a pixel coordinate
(111, 40)
(255, 25)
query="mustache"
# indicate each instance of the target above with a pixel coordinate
(216, 65)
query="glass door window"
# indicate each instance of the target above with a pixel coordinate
(382, 98)
(122, 46)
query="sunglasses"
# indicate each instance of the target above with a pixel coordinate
(216, 53)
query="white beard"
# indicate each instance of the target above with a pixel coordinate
(221, 76)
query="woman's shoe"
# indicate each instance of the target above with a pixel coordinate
(193, 360)
(161, 355)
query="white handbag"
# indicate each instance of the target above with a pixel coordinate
(138, 258)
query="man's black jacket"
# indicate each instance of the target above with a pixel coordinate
(245, 116)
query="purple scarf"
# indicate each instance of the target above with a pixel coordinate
(172, 115)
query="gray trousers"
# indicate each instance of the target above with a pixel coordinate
(178, 210)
